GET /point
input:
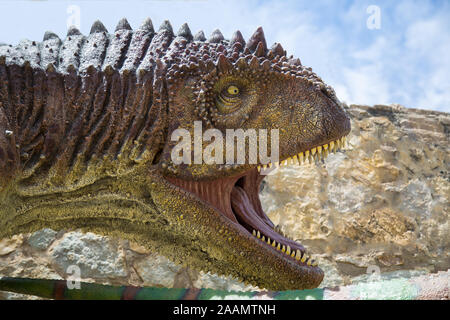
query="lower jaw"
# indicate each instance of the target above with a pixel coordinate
(237, 199)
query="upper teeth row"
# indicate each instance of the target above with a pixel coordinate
(316, 152)
(297, 254)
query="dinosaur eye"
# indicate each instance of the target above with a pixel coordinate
(233, 90)
(230, 98)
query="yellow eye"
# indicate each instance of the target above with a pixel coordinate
(233, 90)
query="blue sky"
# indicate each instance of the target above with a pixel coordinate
(406, 60)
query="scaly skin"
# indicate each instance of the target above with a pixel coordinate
(85, 127)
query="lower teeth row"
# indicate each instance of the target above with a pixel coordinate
(297, 255)
(315, 153)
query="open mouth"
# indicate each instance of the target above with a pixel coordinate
(237, 198)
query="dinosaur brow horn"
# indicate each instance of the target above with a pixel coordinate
(255, 39)
(200, 36)
(147, 25)
(223, 64)
(123, 25)
(278, 50)
(97, 27)
(166, 26)
(185, 32)
(216, 36)
(73, 31)
(50, 35)
(237, 38)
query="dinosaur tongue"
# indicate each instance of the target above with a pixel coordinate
(247, 216)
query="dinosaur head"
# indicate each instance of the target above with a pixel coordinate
(220, 87)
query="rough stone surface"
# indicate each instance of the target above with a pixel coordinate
(42, 239)
(97, 257)
(384, 202)
(382, 206)
(10, 244)
(156, 271)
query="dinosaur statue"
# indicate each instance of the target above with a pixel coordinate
(85, 142)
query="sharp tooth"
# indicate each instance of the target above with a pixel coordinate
(288, 250)
(319, 149)
(325, 147)
(263, 239)
(303, 258)
(298, 255)
(309, 262)
(254, 233)
(270, 165)
(285, 162)
(264, 166)
(259, 168)
(313, 151)
(295, 160)
(293, 254)
(278, 247)
(274, 244)
(306, 154)
(283, 249)
(258, 235)
(332, 146)
(268, 240)
(300, 158)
